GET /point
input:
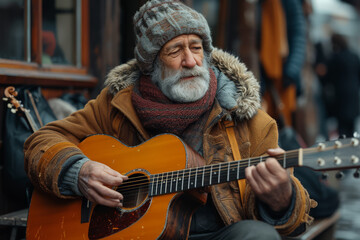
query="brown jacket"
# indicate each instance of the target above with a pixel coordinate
(112, 113)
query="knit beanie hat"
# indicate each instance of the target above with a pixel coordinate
(159, 21)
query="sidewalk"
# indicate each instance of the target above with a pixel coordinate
(348, 226)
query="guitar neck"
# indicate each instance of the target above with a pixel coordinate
(199, 177)
(30, 121)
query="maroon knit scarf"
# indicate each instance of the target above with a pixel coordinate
(161, 115)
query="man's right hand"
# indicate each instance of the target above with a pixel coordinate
(96, 181)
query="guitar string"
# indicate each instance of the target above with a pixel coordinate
(218, 167)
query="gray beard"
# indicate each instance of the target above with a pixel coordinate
(182, 90)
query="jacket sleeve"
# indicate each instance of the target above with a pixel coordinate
(49, 148)
(300, 214)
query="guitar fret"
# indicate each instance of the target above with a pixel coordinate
(189, 179)
(219, 173)
(203, 176)
(238, 169)
(166, 180)
(284, 163)
(164, 183)
(171, 181)
(233, 173)
(195, 176)
(161, 183)
(182, 180)
(228, 172)
(177, 177)
(157, 184)
(152, 185)
(210, 181)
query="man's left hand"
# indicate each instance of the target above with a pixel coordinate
(271, 182)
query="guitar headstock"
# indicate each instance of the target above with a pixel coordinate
(10, 97)
(332, 155)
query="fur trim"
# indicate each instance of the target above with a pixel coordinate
(122, 76)
(248, 88)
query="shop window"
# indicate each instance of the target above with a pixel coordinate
(12, 19)
(45, 42)
(59, 32)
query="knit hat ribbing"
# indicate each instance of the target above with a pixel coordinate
(159, 21)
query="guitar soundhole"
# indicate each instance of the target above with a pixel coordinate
(135, 190)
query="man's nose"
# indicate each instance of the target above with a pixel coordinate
(188, 60)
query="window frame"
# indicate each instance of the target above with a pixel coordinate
(14, 72)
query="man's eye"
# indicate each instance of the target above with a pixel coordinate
(197, 48)
(174, 53)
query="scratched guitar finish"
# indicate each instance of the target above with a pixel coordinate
(158, 197)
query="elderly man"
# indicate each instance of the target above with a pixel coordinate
(178, 84)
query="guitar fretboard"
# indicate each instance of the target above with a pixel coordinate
(191, 178)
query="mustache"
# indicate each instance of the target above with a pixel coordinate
(196, 71)
(163, 75)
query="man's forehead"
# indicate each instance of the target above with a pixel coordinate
(180, 40)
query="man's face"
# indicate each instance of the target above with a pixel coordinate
(184, 51)
(181, 71)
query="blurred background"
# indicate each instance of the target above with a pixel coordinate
(305, 54)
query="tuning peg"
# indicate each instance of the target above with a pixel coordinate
(13, 110)
(355, 142)
(356, 135)
(356, 173)
(5, 99)
(338, 144)
(9, 105)
(324, 176)
(354, 159)
(321, 146)
(343, 136)
(339, 175)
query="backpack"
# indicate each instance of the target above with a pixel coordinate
(16, 131)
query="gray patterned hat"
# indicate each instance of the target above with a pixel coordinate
(159, 21)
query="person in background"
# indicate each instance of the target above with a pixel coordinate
(282, 47)
(178, 83)
(343, 74)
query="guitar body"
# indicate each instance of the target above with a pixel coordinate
(142, 217)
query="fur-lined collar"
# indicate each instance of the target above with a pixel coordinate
(248, 100)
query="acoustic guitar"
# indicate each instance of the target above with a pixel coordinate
(158, 203)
